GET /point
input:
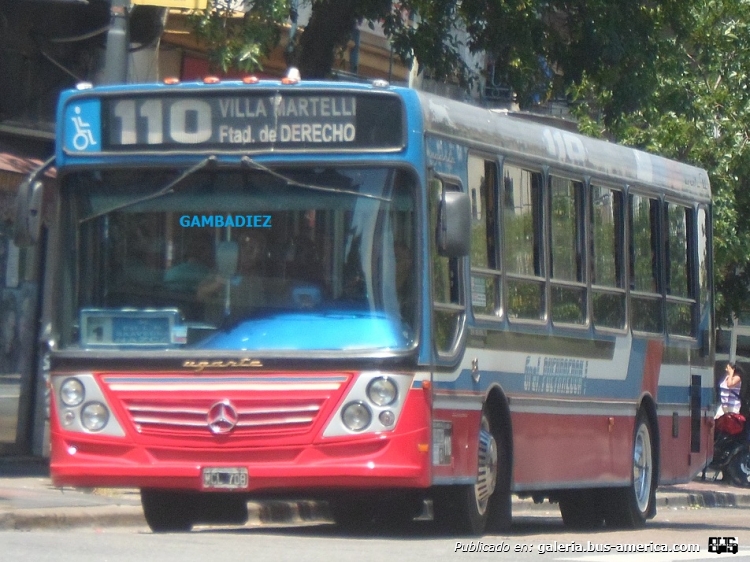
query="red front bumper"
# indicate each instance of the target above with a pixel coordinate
(381, 462)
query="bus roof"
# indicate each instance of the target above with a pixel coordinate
(481, 128)
(523, 139)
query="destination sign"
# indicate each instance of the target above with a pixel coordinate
(261, 120)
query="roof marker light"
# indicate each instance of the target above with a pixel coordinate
(380, 83)
(211, 80)
(251, 79)
(171, 80)
(292, 76)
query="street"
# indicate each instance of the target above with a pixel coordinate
(537, 531)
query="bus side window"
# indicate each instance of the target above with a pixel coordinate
(485, 274)
(681, 293)
(704, 279)
(523, 249)
(645, 300)
(607, 258)
(568, 293)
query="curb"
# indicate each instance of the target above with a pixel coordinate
(288, 512)
(65, 518)
(24, 466)
(267, 513)
(704, 500)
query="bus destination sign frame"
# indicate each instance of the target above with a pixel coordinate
(234, 120)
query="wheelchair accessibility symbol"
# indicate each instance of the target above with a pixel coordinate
(83, 137)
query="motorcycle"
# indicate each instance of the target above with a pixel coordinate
(732, 458)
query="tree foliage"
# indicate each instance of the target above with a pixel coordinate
(239, 42)
(429, 31)
(696, 112)
(331, 25)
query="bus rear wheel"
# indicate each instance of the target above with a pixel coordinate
(485, 505)
(629, 507)
(167, 511)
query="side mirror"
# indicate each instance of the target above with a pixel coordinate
(28, 216)
(27, 222)
(454, 224)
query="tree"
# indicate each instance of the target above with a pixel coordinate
(331, 25)
(242, 43)
(239, 43)
(696, 112)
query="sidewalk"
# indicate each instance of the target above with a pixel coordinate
(29, 501)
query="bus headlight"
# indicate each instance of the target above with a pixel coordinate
(356, 416)
(72, 392)
(94, 416)
(382, 391)
(68, 418)
(81, 406)
(373, 404)
(387, 418)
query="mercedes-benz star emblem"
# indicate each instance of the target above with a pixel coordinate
(222, 417)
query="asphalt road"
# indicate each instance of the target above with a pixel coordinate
(538, 532)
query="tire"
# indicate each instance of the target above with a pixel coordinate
(397, 511)
(167, 511)
(738, 469)
(356, 513)
(631, 506)
(219, 508)
(472, 509)
(582, 509)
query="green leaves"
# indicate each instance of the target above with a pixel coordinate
(430, 31)
(696, 112)
(235, 40)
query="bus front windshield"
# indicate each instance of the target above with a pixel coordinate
(292, 259)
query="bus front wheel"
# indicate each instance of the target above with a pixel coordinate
(629, 507)
(166, 511)
(487, 503)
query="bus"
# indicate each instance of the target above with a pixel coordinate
(367, 295)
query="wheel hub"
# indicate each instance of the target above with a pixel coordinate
(487, 468)
(642, 468)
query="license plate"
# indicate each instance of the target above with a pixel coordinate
(225, 478)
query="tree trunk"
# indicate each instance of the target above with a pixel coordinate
(330, 26)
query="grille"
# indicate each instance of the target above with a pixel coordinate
(157, 417)
(179, 405)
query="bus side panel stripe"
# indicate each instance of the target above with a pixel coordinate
(652, 367)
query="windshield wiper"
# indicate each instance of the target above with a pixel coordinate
(169, 188)
(249, 162)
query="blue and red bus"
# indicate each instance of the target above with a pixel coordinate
(372, 296)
